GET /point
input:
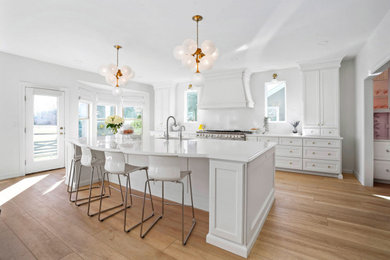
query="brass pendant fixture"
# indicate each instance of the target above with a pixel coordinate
(116, 76)
(197, 57)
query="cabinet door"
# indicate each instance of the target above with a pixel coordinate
(311, 98)
(329, 86)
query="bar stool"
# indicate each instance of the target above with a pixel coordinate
(168, 169)
(72, 172)
(94, 160)
(115, 164)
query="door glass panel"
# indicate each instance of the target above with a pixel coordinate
(45, 128)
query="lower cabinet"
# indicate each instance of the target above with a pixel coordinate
(382, 160)
(307, 154)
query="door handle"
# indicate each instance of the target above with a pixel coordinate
(61, 133)
(61, 127)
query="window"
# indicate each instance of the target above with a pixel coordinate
(133, 117)
(191, 106)
(103, 111)
(275, 101)
(84, 120)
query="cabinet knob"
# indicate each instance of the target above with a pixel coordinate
(314, 152)
(314, 143)
(387, 151)
(329, 166)
(290, 163)
(329, 154)
(329, 143)
(313, 165)
(387, 170)
(330, 132)
(290, 142)
(291, 151)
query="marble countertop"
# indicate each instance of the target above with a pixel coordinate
(194, 148)
(295, 136)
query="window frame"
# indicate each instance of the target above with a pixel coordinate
(186, 106)
(89, 119)
(134, 106)
(100, 119)
(266, 84)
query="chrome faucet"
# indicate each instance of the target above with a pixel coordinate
(174, 123)
(181, 132)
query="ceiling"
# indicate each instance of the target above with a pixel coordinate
(259, 34)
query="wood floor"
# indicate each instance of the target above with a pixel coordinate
(312, 218)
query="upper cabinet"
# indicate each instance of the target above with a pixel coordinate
(321, 99)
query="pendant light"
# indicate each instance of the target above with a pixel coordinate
(197, 58)
(116, 76)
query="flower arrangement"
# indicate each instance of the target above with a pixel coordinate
(114, 122)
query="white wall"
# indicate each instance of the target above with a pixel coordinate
(347, 111)
(374, 54)
(16, 69)
(246, 118)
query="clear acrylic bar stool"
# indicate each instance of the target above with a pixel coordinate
(116, 164)
(168, 169)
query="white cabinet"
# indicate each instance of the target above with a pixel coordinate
(382, 160)
(321, 112)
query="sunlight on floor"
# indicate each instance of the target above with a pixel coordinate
(17, 188)
(53, 187)
(382, 196)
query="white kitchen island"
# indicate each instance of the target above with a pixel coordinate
(240, 182)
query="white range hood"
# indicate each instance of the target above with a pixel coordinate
(226, 89)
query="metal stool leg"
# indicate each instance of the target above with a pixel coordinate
(69, 189)
(117, 206)
(142, 235)
(193, 213)
(128, 187)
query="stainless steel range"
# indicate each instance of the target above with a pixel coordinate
(223, 134)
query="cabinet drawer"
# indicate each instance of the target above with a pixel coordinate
(268, 139)
(382, 170)
(329, 132)
(321, 166)
(290, 141)
(322, 143)
(382, 150)
(321, 153)
(289, 163)
(288, 151)
(311, 131)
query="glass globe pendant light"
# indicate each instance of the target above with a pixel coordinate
(116, 76)
(197, 58)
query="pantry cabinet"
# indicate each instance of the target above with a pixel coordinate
(321, 99)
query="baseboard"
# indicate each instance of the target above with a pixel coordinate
(240, 249)
(332, 175)
(358, 177)
(10, 176)
(348, 171)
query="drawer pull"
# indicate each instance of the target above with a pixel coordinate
(291, 151)
(387, 170)
(314, 152)
(313, 142)
(329, 143)
(329, 166)
(290, 163)
(330, 132)
(313, 165)
(329, 154)
(290, 142)
(387, 151)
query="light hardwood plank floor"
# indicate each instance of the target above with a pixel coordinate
(312, 218)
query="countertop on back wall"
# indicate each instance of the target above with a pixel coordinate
(193, 133)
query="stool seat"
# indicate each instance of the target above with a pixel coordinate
(183, 174)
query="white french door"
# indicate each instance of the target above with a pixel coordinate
(44, 129)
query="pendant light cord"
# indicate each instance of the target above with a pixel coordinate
(197, 34)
